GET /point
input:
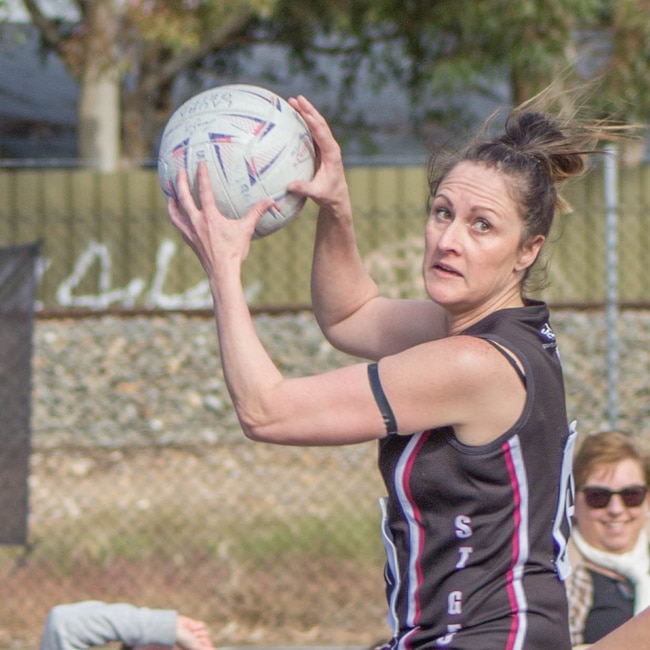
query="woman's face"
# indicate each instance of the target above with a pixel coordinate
(474, 261)
(616, 527)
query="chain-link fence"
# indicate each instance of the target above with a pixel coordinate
(142, 488)
(268, 546)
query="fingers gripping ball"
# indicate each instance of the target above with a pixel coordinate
(254, 143)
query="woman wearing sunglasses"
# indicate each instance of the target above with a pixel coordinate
(611, 579)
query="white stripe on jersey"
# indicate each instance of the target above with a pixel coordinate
(412, 514)
(393, 566)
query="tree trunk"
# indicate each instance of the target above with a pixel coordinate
(99, 100)
(143, 118)
(147, 107)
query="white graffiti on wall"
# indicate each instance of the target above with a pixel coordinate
(196, 297)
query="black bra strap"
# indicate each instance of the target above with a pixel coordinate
(508, 355)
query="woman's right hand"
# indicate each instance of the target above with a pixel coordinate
(328, 188)
(216, 240)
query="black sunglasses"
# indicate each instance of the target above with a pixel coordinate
(599, 497)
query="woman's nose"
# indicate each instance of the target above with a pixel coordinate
(615, 504)
(451, 236)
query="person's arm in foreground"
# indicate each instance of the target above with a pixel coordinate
(94, 623)
(192, 635)
(346, 301)
(632, 635)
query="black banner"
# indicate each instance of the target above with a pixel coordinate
(17, 296)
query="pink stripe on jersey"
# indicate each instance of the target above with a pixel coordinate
(414, 519)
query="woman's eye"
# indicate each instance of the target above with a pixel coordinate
(442, 214)
(482, 226)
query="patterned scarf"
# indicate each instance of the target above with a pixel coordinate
(633, 565)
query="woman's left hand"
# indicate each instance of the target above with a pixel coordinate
(328, 188)
(215, 239)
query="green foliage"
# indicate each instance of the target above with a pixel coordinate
(182, 26)
(444, 49)
(436, 49)
(625, 68)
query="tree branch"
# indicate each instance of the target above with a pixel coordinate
(47, 28)
(217, 40)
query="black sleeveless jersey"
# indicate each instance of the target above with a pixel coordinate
(476, 536)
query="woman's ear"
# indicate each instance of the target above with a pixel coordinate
(529, 252)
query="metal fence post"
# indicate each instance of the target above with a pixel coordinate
(610, 182)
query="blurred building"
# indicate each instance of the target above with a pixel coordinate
(37, 99)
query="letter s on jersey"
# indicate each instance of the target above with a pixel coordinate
(463, 525)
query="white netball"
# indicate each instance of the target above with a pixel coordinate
(254, 143)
